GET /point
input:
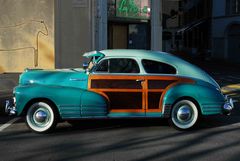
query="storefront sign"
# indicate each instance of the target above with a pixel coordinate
(139, 9)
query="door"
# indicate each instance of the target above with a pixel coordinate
(129, 36)
(118, 36)
(160, 77)
(118, 80)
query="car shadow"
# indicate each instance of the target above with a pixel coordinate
(109, 124)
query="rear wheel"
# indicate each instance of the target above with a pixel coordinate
(41, 117)
(184, 115)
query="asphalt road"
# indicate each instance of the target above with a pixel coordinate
(216, 138)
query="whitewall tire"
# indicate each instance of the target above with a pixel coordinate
(41, 117)
(184, 115)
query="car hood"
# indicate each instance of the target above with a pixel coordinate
(64, 77)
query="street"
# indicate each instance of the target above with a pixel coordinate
(215, 138)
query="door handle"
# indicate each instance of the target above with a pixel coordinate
(140, 80)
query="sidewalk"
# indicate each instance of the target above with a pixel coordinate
(7, 82)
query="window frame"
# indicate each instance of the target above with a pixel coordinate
(173, 66)
(108, 72)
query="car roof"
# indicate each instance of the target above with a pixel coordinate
(145, 54)
(183, 67)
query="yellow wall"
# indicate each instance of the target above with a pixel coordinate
(26, 34)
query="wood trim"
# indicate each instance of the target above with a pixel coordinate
(145, 91)
(156, 90)
(145, 94)
(154, 110)
(128, 110)
(170, 86)
(117, 90)
(107, 76)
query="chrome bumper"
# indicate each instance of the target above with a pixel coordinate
(10, 108)
(228, 106)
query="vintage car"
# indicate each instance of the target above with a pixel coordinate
(119, 84)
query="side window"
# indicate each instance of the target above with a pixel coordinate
(103, 66)
(123, 66)
(155, 67)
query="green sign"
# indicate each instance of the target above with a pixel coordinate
(139, 9)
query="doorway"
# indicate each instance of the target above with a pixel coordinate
(129, 36)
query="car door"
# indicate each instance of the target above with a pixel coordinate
(159, 78)
(120, 82)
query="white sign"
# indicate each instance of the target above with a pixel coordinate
(80, 3)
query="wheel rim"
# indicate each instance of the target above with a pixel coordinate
(184, 114)
(40, 117)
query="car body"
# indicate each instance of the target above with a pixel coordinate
(119, 84)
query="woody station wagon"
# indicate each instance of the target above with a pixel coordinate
(119, 84)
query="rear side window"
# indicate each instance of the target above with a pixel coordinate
(118, 65)
(155, 67)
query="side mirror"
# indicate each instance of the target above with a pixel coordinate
(85, 65)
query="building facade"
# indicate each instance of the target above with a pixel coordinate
(226, 30)
(55, 33)
(196, 27)
(171, 22)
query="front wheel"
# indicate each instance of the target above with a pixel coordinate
(41, 117)
(184, 115)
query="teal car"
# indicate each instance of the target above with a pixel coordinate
(118, 84)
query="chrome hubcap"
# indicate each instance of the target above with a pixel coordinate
(40, 116)
(184, 113)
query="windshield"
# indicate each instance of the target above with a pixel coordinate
(94, 57)
(92, 62)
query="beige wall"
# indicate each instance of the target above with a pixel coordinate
(26, 34)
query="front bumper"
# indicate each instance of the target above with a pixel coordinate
(10, 107)
(228, 105)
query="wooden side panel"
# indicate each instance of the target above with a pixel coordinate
(125, 93)
(134, 93)
(157, 86)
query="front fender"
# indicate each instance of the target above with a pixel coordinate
(209, 99)
(71, 102)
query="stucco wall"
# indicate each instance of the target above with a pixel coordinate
(26, 34)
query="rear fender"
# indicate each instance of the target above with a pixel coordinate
(209, 100)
